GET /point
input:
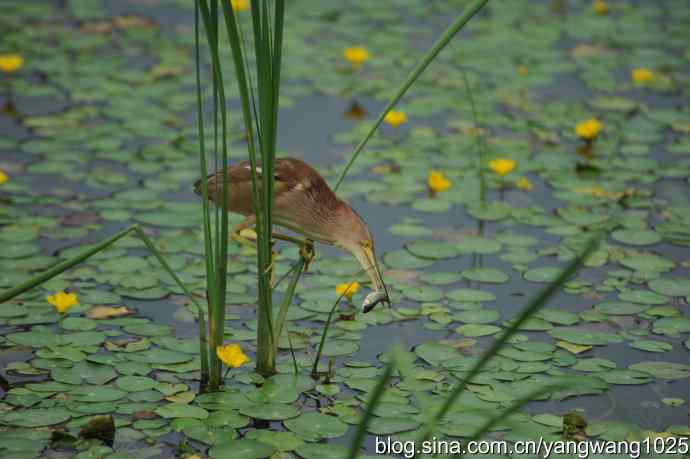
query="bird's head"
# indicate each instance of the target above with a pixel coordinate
(354, 236)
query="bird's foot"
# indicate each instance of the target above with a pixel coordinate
(306, 251)
(245, 237)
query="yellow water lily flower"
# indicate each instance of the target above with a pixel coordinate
(600, 7)
(395, 118)
(231, 355)
(62, 301)
(11, 62)
(438, 182)
(524, 184)
(588, 129)
(356, 56)
(347, 290)
(239, 5)
(502, 166)
(642, 75)
(3, 177)
(523, 70)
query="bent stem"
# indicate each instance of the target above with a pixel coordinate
(430, 55)
(59, 268)
(315, 367)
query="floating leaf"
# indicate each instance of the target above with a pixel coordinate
(179, 410)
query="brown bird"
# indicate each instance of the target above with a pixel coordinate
(303, 203)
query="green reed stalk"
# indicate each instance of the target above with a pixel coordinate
(430, 55)
(216, 278)
(260, 114)
(533, 306)
(371, 405)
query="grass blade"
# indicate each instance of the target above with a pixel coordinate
(484, 428)
(534, 305)
(450, 32)
(59, 268)
(203, 341)
(371, 405)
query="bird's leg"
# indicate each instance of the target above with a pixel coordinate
(306, 247)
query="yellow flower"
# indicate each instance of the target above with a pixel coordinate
(395, 118)
(11, 62)
(347, 290)
(3, 177)
(356, 56)
(502, 166)
(600, 7)
(523, 70)
(438, 182)
(524, 184)
(588, 129)
(62, 301)
(239, 5)
(642, 75)
(231, 355)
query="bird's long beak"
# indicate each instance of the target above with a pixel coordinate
(367, 259)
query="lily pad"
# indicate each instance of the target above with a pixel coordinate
(314, 425)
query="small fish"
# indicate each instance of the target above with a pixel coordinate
(373, 299)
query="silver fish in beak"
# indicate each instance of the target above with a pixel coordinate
(367, 259)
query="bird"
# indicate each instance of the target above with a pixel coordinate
(305, 204)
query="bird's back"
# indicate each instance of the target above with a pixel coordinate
(295, 181)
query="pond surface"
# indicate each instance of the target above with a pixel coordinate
(102, 134)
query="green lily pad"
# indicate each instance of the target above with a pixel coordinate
(477, 330)
(643, 297)
(242, 449)
(159, 356)
(314, 425)
(435, 250)
(478, 316)
(671, 286)
(423, 293)
(180, 410)
(270, 411)
(619, 308)
(543, 274)
(468, 295)
(402, 259)
(391, 425)
(584, 337)
(636, 237)
(663, 370)
(97, 394)
(135, 383)
(488, 275)
(651, 345)
(36, 417)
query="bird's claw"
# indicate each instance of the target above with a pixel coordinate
(306, 251)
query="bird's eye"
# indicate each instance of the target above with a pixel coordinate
(366, 244)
